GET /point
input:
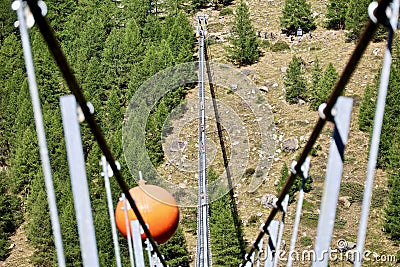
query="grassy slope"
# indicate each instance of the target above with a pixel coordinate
(296, 121)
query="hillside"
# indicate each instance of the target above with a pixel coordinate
(269, 108)
(296, 121)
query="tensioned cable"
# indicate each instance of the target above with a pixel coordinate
(362, 44)
(53, 45)
(233, 206)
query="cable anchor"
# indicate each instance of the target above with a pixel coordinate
(385, 18)
(81, 116)
(29, 19)
(322, 114)
(305, 167)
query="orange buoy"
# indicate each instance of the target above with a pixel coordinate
(158, 209)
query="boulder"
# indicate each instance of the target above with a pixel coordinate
(290, 145)
(345, 201)
(267, 200)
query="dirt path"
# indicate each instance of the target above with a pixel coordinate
(21, 251)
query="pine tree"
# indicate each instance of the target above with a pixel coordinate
(324, 86)
(180, 39)
(356, 17)
(295, 83)
(367, 108)
(336, 14)
(316, 75)
(244, 39)
(152, 31)
(7, 17)
(175, 250)
(225, 245)
(296, 185)
(392, 210)
(295, 14)
(11, 215)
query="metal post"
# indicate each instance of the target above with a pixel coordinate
(137, 243)
(334, 172)
(111, 210)
(44, 153)
(298, 213)
(285, 203)
(128, 230)
(270, 247)
(80, 190)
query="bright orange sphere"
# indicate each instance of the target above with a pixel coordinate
(158, 209)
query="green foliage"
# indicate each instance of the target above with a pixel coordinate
(336, 14)
(7, 17)
(310, 219)
(353, 190)
(225, 245)
(324, 85)
(280, 46)
(356, 17)
(180, 39)
(305, 241)
(297, 13)
(226, 11)
(296, 185)
(295, 82)
(367, 108)
(11, 215)
(175, 250)
(249, 172)
(379, 197)
(392, 210)
(265, 44)
(339, 223)
(199, 3)
(244, 39)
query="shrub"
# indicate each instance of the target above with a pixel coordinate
(305, 241)
(226, 11)
(353, 190)
(280, 46)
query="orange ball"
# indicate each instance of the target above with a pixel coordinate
(158, 209)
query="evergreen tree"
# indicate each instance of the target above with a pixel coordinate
(175, 250)
(296, 185)
(244, 39)
(225, 245)
(295, 83)
(180, 39)
(357, 17)
(152, 31)
(295, 14)
(392, 210)
(324, 86)
(7, 18)
(11, 215)
(367, 108)
(316, 75)
(336, 14)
